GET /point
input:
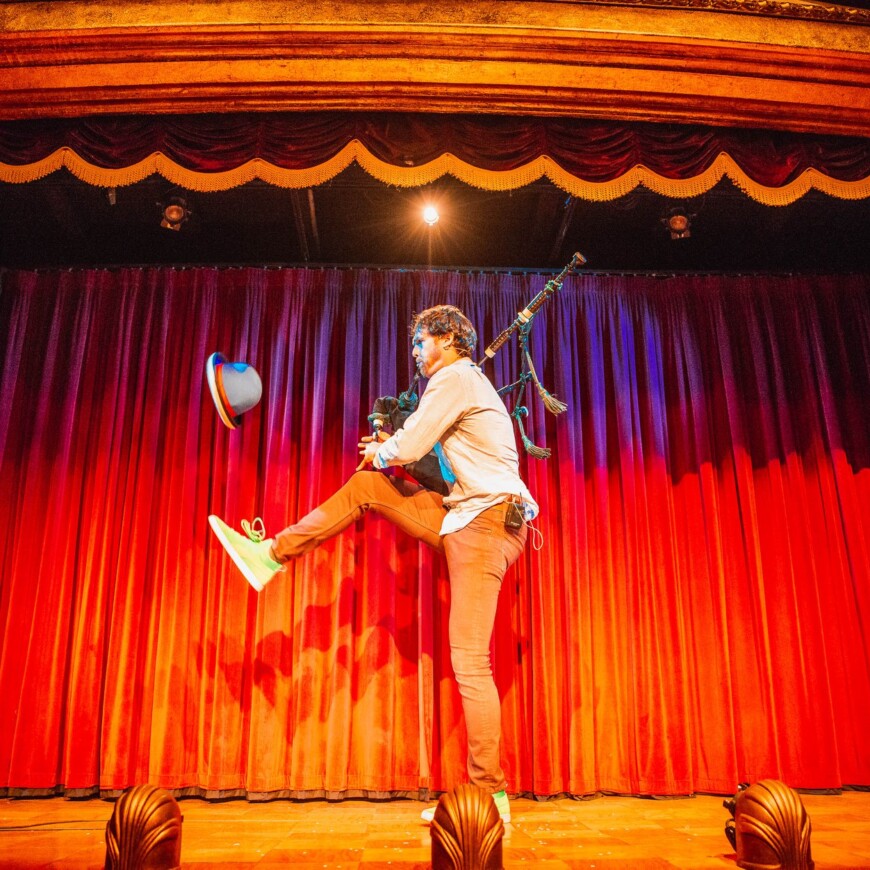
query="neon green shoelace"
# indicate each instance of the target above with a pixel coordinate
(255, 530)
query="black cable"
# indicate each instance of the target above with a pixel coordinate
(35, 825)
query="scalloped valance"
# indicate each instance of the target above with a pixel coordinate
(593, 160)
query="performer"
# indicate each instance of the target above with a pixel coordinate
(480, 525)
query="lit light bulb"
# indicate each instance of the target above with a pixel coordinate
(430, 215)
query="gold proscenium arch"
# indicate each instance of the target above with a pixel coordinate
(792, 65)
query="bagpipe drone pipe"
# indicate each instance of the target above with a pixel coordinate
(390, 413)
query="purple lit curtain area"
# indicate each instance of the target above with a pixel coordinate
(697, 616)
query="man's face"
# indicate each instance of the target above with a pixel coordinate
(432, 352)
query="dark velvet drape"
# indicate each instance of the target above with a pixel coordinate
(697, 616)
(594, 151)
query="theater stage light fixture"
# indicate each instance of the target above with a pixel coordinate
(174, 211)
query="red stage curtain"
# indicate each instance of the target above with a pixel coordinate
(697, 615)
(585, 154)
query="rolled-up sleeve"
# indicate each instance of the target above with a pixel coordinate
(439, 409)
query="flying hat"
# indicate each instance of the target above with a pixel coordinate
(235, 388)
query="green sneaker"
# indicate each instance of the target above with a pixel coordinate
(502, 804)
(252, 556)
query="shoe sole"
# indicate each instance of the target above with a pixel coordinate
(215, 523)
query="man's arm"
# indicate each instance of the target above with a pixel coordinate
(441, 406)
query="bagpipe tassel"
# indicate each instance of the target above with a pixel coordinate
(534, 450)
(531, 448)
(551, 403)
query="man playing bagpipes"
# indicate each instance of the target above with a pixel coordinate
(480, 525)
(475, 511)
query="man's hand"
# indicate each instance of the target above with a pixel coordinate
(368, 446)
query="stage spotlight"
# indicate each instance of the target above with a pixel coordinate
(174, 211)
(678, 223)
(430, 215)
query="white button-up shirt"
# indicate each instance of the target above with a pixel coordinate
(461, 411)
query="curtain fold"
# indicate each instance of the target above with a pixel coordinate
(696, 615)
(593, 160)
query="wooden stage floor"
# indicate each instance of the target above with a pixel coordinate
(604, 834)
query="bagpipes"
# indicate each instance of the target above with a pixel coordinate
(395, 410)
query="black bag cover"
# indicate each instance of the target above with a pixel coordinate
(426, 471)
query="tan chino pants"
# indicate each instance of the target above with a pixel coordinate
(478, 557)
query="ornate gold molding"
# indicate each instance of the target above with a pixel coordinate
(770, 829)
(467, 831)
(808, 11)
(621, 62)
(144, 832)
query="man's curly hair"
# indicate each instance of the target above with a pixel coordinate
(447, 320)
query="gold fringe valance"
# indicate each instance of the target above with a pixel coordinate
(723, 166)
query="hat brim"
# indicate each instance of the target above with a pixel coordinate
(215, 387)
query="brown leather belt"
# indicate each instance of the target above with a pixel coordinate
(510, 499)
